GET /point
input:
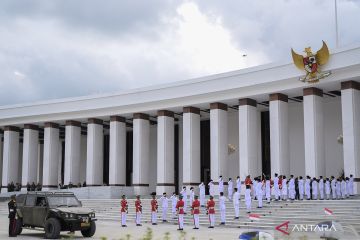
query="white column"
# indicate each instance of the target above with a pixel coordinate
(314, 132)
(10, 170)
(117, 155)
(165, 153)
(60, 157)
(40, 162)
(141, 151)
(350, 105)
(279, 134)
(218, 142)
(191, 146)
(1, 158)
(83, 157)
(248, 148)
(51, 156)
(30, 154)
(95, 153)
(72, 152)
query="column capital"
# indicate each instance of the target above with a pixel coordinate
(219, 105)
(117, 119)
(350, 85)
(190, 109)
(247, 101)
(142, 116)
(165, 113)
(73, 123)
(278, 97)
(51, 125)
(12, 128)
(95, 121)
(31, 126)
(313, 91)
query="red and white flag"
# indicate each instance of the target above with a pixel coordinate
(253, 216)
(328, 211)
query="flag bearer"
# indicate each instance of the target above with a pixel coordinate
(196, 211)
(222, 200)
(180, 211)
(184, 195)
(154, 209)
(174, 200)
(124, 210)
(202, 194)
(301, 188)
(164, 205)
(211, 211)
(138, 210)
(236, 202)
(327, 188)
(230, 189)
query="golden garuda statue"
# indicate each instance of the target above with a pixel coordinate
(310, 63)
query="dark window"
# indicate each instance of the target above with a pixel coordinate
(40, 202)
(30, 201)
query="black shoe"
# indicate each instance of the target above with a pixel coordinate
(164, 220)
(211, 227)
(123, 225)
(195, 228)
(154, 224)
(222, 223)
(236, 217)
(139, 225)
(180, 229)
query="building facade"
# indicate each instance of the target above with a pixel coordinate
(252, 121)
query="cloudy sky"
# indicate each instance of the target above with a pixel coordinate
(55, 49)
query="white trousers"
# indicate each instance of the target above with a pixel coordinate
(212, 220)
(123, 218)
(153, 217)
(260, 200)
(185, 204)
(164, 213)
(276, 192)
(202, 199)
(237, 210)
(181, 221)
(321, 193)
(223, 214)
(173, 211)
(333, 194)
(196, 220)
(308, 193)
(230, 193)
(248, 204)
(138, 218)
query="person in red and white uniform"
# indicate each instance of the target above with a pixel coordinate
(195, 210)
(211, 211)
(138, 211)
(180, 211)
(154, 209)
(124, 210)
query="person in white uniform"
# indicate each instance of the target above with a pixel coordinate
(301, 188)
(351, 181)
(292, 188)
(192, 195)
(222, 205)
(314, 186)
(327, 188)
(202, 194)
(333, 187)
(284, 190)
(164, 206)
(221, 184)
(238, 184)
(321, 188)
(236, 202)
(259, 193)
(248, 198)
(268, 189)
(230, 189)
(211, 187)
(347, 187)
(307, 187)
(276, 187)
(184, 195)
(174, 200)
(343, 188)
(338, 188)
(255, 188)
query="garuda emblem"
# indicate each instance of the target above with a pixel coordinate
(311, 63)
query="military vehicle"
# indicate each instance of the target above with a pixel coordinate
(54, 212)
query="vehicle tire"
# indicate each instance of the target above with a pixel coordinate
(52, 228)
(19, 226)
(90, 231)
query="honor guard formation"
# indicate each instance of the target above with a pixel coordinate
(261, 188)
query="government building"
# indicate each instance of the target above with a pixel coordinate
(259, 120)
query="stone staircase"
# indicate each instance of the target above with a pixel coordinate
(346, 212)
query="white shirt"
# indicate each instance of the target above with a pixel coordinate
(164, 201)
(221, 185)
(173, 199)
(222, 200)
(236, 198)
(183, 193)
(202, 189)
(230, 184)
(238, 184)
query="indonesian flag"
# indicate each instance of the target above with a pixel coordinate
(328, 211)
(254, 216)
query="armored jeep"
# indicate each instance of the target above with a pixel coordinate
(54, 212)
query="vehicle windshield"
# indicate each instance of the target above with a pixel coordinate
(63, 201)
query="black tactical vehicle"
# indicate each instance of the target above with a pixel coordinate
(54, 212)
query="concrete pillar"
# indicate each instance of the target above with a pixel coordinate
(248, 139)
(30, 154)
(10, 170)
(117, 156)
(95, 152)
(141, 151)
(191, 146)
(165, 153)
(83, 157)
(314, 132)
(60, 157)
(72, 152)
(40, 162)
(279, 134)
(350, 105)
(51, 156)
(218, 142)
(1, 157)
